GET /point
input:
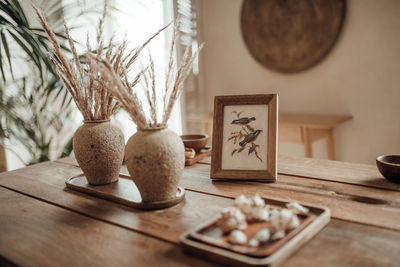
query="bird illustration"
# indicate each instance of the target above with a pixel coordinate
(243, 121)
(252, 148)
(250, 138)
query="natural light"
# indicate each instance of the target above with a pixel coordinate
(136, 21)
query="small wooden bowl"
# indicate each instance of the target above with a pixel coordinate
(389, 166)
(195, 141)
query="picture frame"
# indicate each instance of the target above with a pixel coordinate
(245, 132)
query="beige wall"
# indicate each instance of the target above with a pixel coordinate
(360, 76)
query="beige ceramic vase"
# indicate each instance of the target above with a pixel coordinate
(155, 159)
(99, 150)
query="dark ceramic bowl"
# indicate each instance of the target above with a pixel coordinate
(195, 141)
(389, 166)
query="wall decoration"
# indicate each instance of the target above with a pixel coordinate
(245, 137)
(291, 36)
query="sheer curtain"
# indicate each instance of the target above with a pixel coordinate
(136, 21)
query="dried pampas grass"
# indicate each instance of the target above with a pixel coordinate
(171, 91)
(82, 80)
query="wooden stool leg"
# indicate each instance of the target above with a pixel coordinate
(307, 142)
(330, 145)
(3, 161)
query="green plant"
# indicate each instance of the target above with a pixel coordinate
(34, 108)
(31, 121)
(15, 27)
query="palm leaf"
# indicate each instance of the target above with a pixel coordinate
(5, 45)
(1, 64)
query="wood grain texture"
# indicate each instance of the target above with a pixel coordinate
(363, 204)
(349, 245)
(351, 207)
(219, 103)
(46, 182)
(327, 170)
(338, 171)
(34, 233)
(354, 192)
(340, 243)
(291, 36)
(68, 160)
(306, 134)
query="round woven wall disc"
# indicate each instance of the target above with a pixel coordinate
(291, 35)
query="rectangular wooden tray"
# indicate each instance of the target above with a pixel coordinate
(207, 240)
(123, 191)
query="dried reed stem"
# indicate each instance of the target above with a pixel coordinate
(124, 91)
(87, 88)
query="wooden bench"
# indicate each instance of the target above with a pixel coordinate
(306, 129)
(3, 161)
(293, 128)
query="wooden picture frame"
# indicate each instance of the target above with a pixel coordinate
(243, 147)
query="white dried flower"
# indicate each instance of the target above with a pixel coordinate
(286, 215)
(263, 235)
(260, 214)
(237, 237)
(240, 200)
(258, 201)
(294, 222)
(244, 204)
(232, 218)
(254, 208)
(283, 220)
(278, 235)
(297, 208)
(254, 243)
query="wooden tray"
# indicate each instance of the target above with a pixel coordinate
(208, 240)
(199, 156)
(124, 191)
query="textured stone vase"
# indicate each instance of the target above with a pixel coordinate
(155, 159)
(99, 150)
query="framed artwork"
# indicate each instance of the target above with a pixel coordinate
(245, 137)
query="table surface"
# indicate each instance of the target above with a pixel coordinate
(44, 224)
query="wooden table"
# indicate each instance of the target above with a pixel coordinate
(308, 128)
(44, 224)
